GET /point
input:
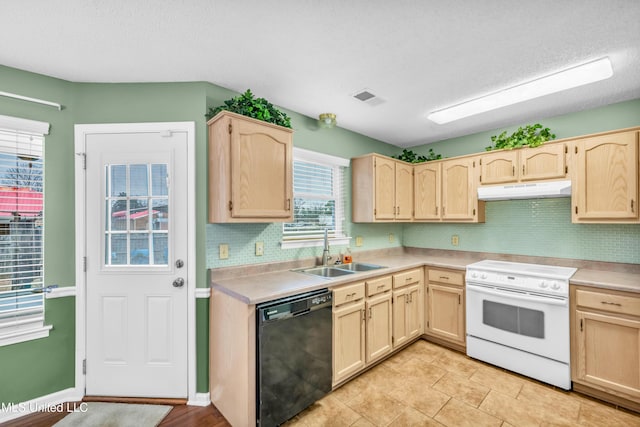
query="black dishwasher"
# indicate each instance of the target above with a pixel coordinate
(294, 359)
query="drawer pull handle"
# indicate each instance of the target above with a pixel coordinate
(380, 286)
(444, 277)
(617, 304)
(408, 279)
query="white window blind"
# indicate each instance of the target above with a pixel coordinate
(21, 232)
(318, 194)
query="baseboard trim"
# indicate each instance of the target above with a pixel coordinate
(138, 400)
(201, 399)
(49, 402)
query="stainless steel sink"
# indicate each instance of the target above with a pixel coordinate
(325, 271)
(358, 266)
(339, 270)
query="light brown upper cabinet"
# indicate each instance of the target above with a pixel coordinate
(524, 164)
(605, 178)
(427, 186)
(382, 189)
(459, 191)
(250, 170)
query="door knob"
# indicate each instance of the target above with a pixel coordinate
(178, 283)
(179, 263)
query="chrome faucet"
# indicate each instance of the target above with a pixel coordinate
(325, 252)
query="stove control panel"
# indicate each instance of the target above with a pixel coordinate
(519, 281)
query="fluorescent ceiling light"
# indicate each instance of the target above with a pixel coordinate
(590, 72)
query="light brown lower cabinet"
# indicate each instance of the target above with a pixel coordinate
(407, 306)
(378, 318)
(348, 331)
(606, 344)
(368, 315)
(445, 306)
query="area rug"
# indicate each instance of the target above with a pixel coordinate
(99, 414)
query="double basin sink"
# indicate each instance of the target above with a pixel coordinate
(339, 269)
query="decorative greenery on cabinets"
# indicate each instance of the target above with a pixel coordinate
(257, 108)
(531, 135)
(411, 157)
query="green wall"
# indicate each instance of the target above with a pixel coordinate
(540, 227)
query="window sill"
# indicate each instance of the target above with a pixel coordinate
(310, 243)
(25, 335)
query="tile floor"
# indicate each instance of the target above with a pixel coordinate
(428, 385)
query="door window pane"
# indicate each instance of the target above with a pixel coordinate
(159, 183)
(117, 180)
(139, 249)
(138, 180)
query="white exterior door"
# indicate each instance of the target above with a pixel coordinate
(136, 268)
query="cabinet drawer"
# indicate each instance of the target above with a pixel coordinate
(378, 285)
(409, 277)
(348, 293)
(446, 276)
(608, 302)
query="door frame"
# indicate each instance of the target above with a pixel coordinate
(80, 133)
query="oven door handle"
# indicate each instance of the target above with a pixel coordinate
(519, 296)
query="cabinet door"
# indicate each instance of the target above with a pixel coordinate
(499, 167)
(385, 178)
(607, 177)
(545, 162)
(261, 171)
(414, 311)
(458, 190)
(446, 312)
(427, 191)
(378, 326)
(348, 340)
(404, 191)
(400, 303)
(608, 353)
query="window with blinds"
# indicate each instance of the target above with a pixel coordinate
(21, 231)
(318, 194)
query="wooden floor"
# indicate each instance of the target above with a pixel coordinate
(180, 416)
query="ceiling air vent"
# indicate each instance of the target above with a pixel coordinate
(366, 96)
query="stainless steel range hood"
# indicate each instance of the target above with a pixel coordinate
(532, 190)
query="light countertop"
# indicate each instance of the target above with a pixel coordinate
(607, 279)
(257, 288)
(263, 287)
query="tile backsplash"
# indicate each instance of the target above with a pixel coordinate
(536, 227)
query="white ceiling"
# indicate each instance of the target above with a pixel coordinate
(312, 56)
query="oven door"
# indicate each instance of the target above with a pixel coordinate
(532, 323)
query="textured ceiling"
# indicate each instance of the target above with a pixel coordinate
(312, 56)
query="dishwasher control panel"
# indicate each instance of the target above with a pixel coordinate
(293, 306)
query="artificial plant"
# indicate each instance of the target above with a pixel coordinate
(257, 108)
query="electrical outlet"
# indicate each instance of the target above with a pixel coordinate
(392, 238)
(259, 248)
(455, 240)
(224, 251)
(358, 240)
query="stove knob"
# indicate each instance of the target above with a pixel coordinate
(543, 284)
(474, 275)
(555, 286)
(483, 276)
